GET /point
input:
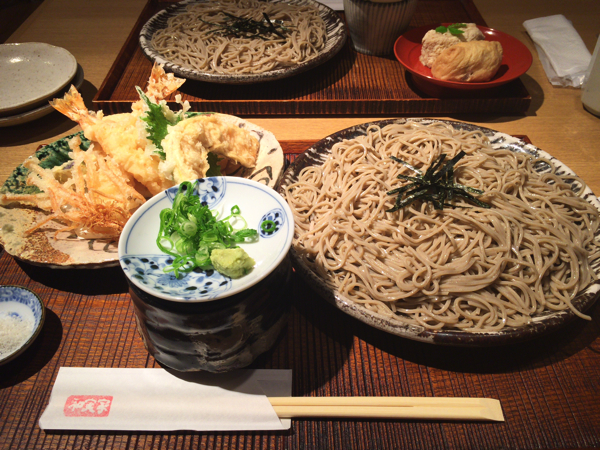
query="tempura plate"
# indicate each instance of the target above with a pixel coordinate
(541, 324)
(336, 37)
(70, 251)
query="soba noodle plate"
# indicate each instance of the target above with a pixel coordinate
(462, 275)
(242, 41)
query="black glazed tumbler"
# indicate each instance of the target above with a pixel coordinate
(218, 335)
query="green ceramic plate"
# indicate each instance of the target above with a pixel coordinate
(51, 155)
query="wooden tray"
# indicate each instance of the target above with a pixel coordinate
(349, 84)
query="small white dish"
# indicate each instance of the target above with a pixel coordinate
(43, 110)
(20, 309)
(31, 73)
(143, 262)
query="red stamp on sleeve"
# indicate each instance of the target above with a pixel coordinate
(88, 405)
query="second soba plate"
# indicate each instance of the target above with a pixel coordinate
(540, 323)
(335, 37)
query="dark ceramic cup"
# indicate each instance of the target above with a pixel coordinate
(216, 336)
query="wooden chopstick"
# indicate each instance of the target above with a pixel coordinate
(389, 407)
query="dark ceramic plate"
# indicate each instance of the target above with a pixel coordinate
(336, 37)
(540, 324)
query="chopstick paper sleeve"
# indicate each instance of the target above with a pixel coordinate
(157, 400)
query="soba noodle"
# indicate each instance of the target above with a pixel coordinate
(467, 267)
(192, 41)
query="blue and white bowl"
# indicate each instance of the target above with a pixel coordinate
(19, 303)
(143, 262)
(204, 320)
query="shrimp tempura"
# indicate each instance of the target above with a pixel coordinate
(123, 136)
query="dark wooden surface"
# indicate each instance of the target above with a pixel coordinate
(12, 15)
(549, 388)
(349, 84)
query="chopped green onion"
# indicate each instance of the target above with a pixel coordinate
(188, 228)
(268, 226)
(189, 231)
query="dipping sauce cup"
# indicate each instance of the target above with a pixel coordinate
(204, 320)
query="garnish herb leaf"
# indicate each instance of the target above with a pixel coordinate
(214, 169)
(454, 29)
(156, 123)
(436, 186)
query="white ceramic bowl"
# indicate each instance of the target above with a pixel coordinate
(32, 72)
(23, 305)
(143, 262)
(204, 320)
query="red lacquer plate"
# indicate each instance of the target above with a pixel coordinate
(516, 58)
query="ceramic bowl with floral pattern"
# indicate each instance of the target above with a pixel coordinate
(203, 320)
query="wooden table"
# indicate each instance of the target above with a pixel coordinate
(549, 388)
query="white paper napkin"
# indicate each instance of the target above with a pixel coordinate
(561, 50)
(157, 400)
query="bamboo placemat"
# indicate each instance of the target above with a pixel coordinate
(549, 388)
(349, 84)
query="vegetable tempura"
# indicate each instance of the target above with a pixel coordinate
(132, 157)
